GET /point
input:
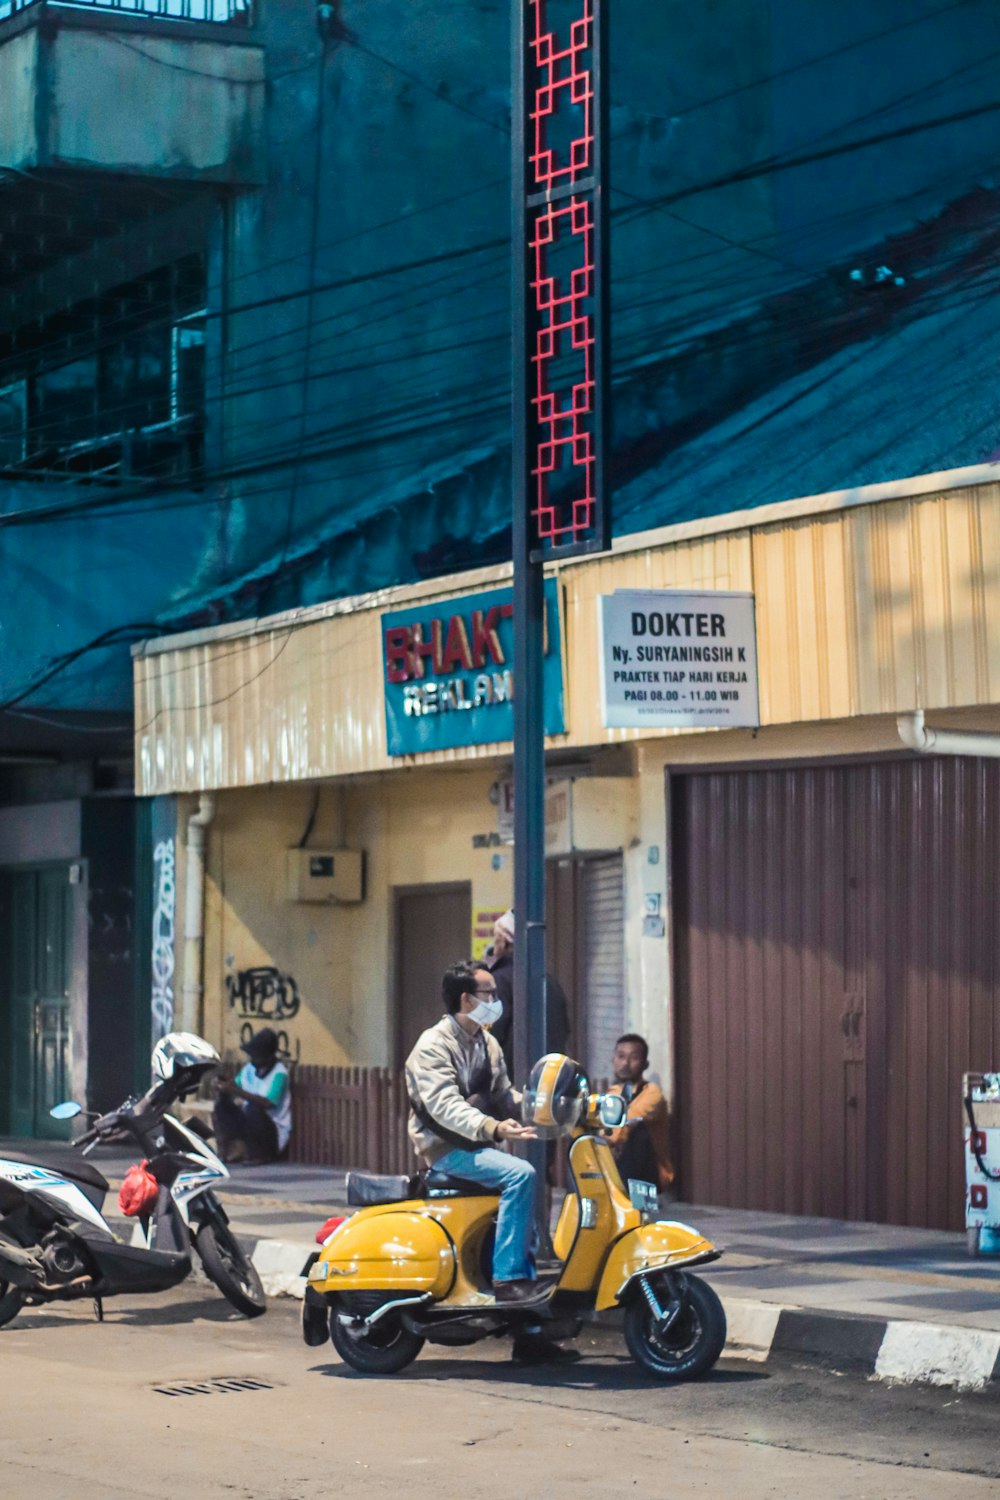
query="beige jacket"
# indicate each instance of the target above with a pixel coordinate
(444, 1067)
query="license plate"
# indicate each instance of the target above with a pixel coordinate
(642, 1196)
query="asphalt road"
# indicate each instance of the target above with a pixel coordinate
(85, 1415)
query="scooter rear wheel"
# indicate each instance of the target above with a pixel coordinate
(384, 1349)
(11, 1302)
(691, 1345)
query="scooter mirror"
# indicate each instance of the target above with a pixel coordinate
(67, 1111)
(612, 1110)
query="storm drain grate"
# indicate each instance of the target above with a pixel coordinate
(213, 1387)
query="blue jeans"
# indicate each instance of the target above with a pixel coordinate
(514, 1179)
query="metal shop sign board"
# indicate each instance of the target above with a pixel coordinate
(448, 672)
(671, 659)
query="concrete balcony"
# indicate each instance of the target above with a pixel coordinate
(159, 88)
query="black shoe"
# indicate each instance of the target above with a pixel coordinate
(520, 1293)
(536, 1349)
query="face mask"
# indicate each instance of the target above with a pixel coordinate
(487, 1012)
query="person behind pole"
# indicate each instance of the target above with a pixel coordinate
(500, 962)
(642, 1144)
(462, 1112)
(252, 1115)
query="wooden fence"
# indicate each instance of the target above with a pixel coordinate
(356, 1117)
(351, 1117)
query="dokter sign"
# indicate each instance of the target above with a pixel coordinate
(448, 671)
(677, 660)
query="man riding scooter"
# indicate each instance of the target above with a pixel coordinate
(462, 1110)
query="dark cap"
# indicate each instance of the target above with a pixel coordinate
(262, 1044)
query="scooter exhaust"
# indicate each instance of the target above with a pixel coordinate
(21, 1267)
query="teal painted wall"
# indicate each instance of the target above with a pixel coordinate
(750, 366)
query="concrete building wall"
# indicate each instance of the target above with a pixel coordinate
(414, 830)
(18, 85)
(78, 95)
(181, 108)
(333, 968)
(426, 827)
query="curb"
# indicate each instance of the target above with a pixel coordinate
(279, 1265)
(877, 1348)
(894, 1350)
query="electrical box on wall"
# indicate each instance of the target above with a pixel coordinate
(325, 875)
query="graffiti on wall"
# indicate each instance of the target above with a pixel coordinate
(162, 1003)
(264, 996)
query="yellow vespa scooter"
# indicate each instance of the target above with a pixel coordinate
(413, 1265)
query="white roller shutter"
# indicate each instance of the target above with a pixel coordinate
(602, 912)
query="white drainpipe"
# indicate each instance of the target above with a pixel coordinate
(190, 1018)
(916, 736)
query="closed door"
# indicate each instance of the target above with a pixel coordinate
(433, 930)
(37, 927)
(837, 970)
(585, 933)
(770, 992)
(602, 906)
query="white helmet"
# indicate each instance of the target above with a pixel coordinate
(181, 1052)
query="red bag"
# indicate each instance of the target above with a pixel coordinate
(138, 1192)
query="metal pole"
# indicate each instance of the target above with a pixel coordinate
(529, 606)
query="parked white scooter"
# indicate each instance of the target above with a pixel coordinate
(55, 1244)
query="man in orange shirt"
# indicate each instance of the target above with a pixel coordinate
(642, 1144)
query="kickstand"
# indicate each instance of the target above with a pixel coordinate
(98, 1309)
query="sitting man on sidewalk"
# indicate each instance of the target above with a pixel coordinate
(642, 1144)
(252, 1116)
(462, 1109)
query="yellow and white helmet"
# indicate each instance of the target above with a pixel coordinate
(556, 1097)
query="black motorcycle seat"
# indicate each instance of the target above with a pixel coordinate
(439, 1183)
(65, 1161)
(370, 1189)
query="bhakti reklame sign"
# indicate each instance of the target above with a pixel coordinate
(448, 672)
(677, 660)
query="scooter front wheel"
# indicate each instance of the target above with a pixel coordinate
(230, 1268)
(692, 1343)
(383, 1349)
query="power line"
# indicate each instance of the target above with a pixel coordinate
(646, 204)
(434, 93)
(743, 174)
(692, 334)
(353, 312)
(149, 629)
(230, 393)
(456, 418)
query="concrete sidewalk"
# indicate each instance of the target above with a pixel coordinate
(898, 1304)
(905, 1304)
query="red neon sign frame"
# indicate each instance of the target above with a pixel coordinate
(565, 303)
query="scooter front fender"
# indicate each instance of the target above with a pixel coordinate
(378, 1251)
(650, 1247)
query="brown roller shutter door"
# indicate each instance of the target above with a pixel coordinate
(837, 969)
(603, 940)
